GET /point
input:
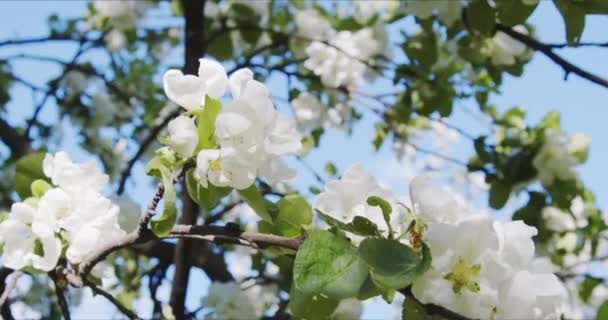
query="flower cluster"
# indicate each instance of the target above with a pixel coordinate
(481, 267)
(69, 213)
(122, 16)
(559, 155)
(338, 57)
(505, 50)
(251, 135)
(311, 114)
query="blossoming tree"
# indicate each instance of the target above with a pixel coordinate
(220, 150)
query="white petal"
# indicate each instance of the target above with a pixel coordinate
(238, 80)
(188, 91)
(283, 137)
(214, 78)
(183, 135)
(52, 250)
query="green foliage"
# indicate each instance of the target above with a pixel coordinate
(512, 13)
(386, 208)
(392, 264)
(480, 17)
(28, 169)
(412, 310)
(256, 201)
(208, 198)
(206, 124)
(310, 306)
(360, 225)
(328, 264)
(602, 311)
(162, 165)
(499, 194)
(574, 20)
(294, 216)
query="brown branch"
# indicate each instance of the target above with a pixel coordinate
(60, 285)
(59, 37)
(433, 309)
(126, 173)
(548, 52)
(97, 290)
(9, 281)
(18, 144)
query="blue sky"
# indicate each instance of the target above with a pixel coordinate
(583, 105)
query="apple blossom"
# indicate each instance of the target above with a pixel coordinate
(559, 155)
(183, 135)
(506, 49)
(189, 91)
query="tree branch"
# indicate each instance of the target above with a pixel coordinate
(97, 290)
(548, 52)
(11, 282)
(433, 309)
(59, 291)
(59, 37)
(17, 143)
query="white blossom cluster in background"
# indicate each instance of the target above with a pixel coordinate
(251, 135)
(505, 50)
(339, 58)
(310, 114)
(481, 268)
(121, 16)
(71, 212)
(559, 155)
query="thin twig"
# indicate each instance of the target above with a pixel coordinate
(59, 292)
(11, 282)
(548, 52)
(122, 308)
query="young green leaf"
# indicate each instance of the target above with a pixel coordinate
(412, 310)
(386, 208)
(162, 226)
(480, 17)
(310, 306)
(327, 263)
(256, 201)
(206, 124)
(392, 264)
(208, 198)
(27, 170)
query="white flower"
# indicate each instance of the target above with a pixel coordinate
(308, 111)
(224, 168)
(183, 135)
(189, 91)
(70, 176)
(228, 301)
(435, 204)
(130, 213)
(506, 49)
(559, 155)
(341, 63)
(121, 14)
(346, 198)
(115, 40)
(312, 25)
(532, 296)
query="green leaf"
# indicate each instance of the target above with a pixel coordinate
(327, 263)
(310, 306)
(480, 17)
(295, 214)
(602, 312)
(27, 170)
(574, 19)
(512, 13)
(412, 310)
(208, 198)
(360, 225)
(392, 264)
(256, 201)
(159, 166)
(330, 169)
(386, 208)
(423, 49)
(39, 187)
(586, 287)
(206, 124)
(222, 47)
(499, 194)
